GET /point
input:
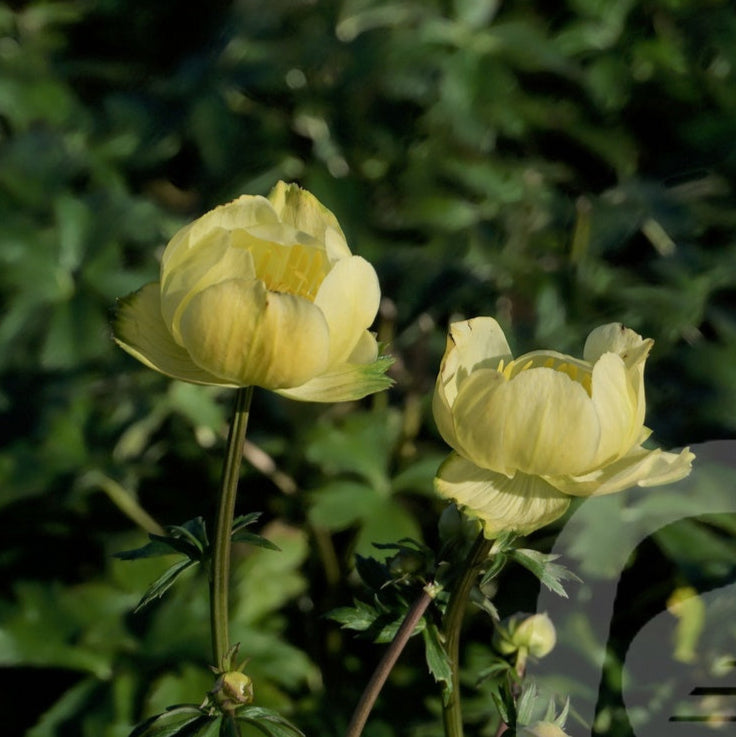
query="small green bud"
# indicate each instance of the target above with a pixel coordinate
(232, 690)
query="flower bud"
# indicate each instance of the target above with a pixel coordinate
(232, 690)
(535, 634)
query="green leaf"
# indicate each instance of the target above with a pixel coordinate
(268, 721)
(162, 584)
(251, 538)
(437, 660)
(157, 547)
(540, 564)
(172, 722)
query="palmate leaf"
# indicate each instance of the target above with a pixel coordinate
(189, 539)
(541, 565)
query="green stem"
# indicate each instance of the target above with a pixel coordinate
(451, 711)
(220, 575)
(381, 673)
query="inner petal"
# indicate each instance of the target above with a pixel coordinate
(297, 269)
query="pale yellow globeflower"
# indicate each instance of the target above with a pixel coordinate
(531, 432)
(542, 729)
(263, 291)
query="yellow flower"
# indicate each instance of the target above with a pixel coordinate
(542, 729)
(531, 432)
(263, 292)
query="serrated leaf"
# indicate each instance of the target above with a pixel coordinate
(161, 585)
(540, 564)
(437, 660)
(359, 618)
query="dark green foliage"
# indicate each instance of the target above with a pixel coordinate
(556, 168)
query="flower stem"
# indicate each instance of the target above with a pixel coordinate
(381, 673)
(220, 575)
(451, 711)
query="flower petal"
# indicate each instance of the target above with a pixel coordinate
(139, 329)
(615, 338)
(206, 266)
(344, 383)
(541, 423)
(616, 404)
(640, 467)
(520, 504)
(241, 214)
(349, 298)
(306, 213)
(240, 331)
(479, 342)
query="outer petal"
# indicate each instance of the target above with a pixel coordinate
(213, 262)
(640, 467)
(521, 504)
(240, 331)
(306, 213)
(240, 214)
(139, 329)
(541, 423)
(615, 338)
(344, 383)
(616, 404)
(349, 298)
(471, 344)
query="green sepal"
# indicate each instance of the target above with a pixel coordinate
(268, 722)
(162, 584)
(541, 565)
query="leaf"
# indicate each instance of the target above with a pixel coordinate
(268, 721)
(359, 618)
(245, 520)
(157, 547)
(172, 722)
(251, 538)
(540, 564)
(437, 660)
(161, 585)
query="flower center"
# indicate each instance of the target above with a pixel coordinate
(297, 269)
(578, 371)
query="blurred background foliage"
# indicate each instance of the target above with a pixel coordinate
(555, 166)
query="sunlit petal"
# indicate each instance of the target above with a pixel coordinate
(139, 328)
(519, 504)
(242, 332)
